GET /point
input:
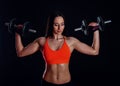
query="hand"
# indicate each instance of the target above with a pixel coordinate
(19, 29)
(93, 24)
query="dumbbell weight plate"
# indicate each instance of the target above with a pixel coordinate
(11, 25)
(100, 23)
(84, 27)
(26, 27)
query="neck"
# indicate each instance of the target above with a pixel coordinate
(57, 37)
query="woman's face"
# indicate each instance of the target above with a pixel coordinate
(58, 25)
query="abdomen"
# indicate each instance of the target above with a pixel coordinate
(57, 73)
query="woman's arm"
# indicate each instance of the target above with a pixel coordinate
(86, 49)
(24, 51)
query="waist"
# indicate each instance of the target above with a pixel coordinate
(47, 83)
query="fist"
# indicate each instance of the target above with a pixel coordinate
(93, 24)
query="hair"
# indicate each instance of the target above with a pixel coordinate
(50, 21)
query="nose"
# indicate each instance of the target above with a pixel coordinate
(59, 27)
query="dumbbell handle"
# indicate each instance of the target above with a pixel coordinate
(77, 29)
(32, 30)
(105, 22)
(108, 21)
(7, 24)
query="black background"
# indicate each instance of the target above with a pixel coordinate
(85, 70)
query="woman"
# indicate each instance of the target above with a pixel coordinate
(56, 49)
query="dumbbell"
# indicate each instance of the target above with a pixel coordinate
(83, 27)
(100, 22)
(25, 28)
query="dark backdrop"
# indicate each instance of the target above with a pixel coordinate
(84, 69)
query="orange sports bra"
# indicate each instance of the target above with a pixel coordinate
(56, 56)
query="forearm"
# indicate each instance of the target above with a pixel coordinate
(18, 43)
(96, 41)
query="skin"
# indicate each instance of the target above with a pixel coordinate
(58, 73)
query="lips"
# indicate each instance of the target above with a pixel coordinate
(58, 31)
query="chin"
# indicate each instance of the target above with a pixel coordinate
(59, 33)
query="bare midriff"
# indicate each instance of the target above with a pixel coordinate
(57, 73)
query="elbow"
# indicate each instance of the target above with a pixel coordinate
(19, 54)
(95, 52)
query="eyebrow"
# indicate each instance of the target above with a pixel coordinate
(58, 23)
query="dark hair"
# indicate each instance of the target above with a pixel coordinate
(50, 21)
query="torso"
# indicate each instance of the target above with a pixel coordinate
(57, 73)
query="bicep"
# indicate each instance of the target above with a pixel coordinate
(29, 49)
(83, 48)
(33, 47)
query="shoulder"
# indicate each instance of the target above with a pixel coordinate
(41, 40)
(71, 40)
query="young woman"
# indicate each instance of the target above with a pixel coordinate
(56, 49)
